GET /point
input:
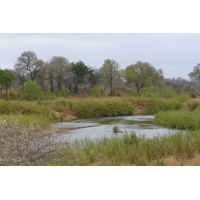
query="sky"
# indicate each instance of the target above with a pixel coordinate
(175, 53)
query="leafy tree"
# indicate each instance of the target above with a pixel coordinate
(81, 71)
(50, 74)
(143, 74)
(60, 66)
(109, 73)
(195, 74)
(30, 91)
(6, 79)
(27, 63)
(42, 73)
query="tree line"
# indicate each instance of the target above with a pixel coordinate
(58, 72)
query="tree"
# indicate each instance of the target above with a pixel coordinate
(60, 67)
(27, 63)
(6, 79)
(81, 71)
(195, 74)
(42, 74)
(50, 74)
(143, 74)
(110, 72)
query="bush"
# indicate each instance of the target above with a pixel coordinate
(193, 95)
(158, 91)
(96, 91)
(30, 91)
(64, 92)
(26, 144)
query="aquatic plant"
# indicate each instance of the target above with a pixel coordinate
(115, 129)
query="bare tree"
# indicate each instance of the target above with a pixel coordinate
(27, 144)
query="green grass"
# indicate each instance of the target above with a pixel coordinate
(28, 119)
(131, 150)
(127, 150)
(183, 119)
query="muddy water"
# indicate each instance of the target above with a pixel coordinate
(94, 128)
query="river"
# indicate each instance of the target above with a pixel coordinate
(95, 128)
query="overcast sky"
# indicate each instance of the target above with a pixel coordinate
(175, 53)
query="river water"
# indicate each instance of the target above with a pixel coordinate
(95, 128)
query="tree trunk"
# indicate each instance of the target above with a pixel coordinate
(51, 82)
(112, 93)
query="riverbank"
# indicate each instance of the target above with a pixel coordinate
(44, 112)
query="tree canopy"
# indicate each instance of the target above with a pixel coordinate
(6, 79)
(195, 74)
(28, 63)
(143, 74)
(109, 73)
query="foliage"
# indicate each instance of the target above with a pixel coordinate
(182, 119)
(30, 91)
(96, 91)
(143, 74)
(99, 108)
(195, 74)
(158, 91)
(28, 63)
(64, 92)
(118, 94)
(59, 66)
(193, 95)
(109, 73)
(130, 149)
(82, 73)
(115, 129)
(6, 79)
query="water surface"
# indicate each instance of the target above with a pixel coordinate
(94, 128)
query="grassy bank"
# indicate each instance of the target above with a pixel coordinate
(132, 150)
(91, 107)
(182, 119)
(126, 150)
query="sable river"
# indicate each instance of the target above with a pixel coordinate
(95, 128)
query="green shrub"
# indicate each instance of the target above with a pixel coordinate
(94, 108)
(158, 91)
(193, 95)
(30, 91)
(64, 92)
(96, 91)
(115, 129)
(134, 94)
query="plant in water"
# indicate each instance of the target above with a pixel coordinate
(116, 129)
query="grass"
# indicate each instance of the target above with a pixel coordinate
(132, 150)
(127, 150)
(183, 119)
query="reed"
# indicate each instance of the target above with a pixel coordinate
(182, 119)
(132, 150)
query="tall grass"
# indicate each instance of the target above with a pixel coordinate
(99, 108)
(132, 150)
(183, 119)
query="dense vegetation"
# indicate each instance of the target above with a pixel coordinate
(49, 91)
